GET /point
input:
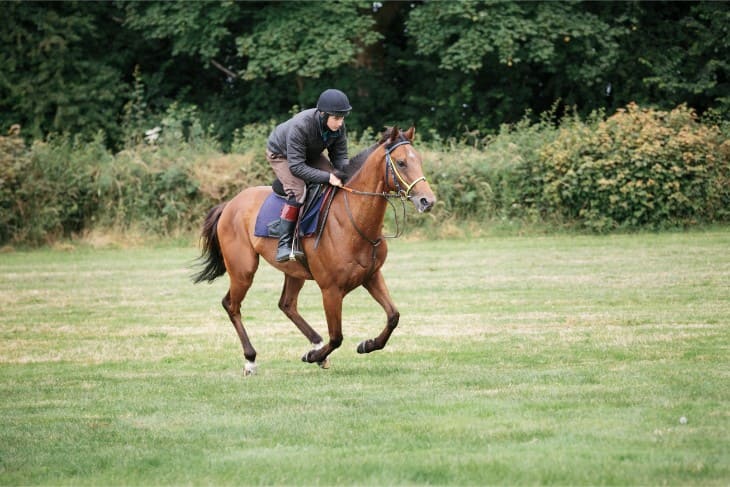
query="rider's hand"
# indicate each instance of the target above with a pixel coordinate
(335, 181)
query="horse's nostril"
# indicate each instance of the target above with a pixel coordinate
(425, 204)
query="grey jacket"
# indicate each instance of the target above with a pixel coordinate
(300, 139)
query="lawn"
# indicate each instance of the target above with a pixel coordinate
(558, 360)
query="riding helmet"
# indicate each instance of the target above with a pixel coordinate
(334, 102)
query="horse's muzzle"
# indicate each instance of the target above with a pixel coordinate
(423, 203)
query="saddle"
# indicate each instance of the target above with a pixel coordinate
(267, 221)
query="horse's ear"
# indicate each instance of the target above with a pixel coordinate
(410, 133)
(394, 134)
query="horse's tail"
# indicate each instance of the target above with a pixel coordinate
(211, 258)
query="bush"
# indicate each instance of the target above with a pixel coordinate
(638, 168)
(14, 160)
(492, 177)
(48, 190)
(167, 187)
(151, 187)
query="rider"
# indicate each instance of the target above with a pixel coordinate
(295, 151)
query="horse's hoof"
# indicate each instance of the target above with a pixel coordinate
(305, 357)
(249, 369)
(365, 346)
(324, 364)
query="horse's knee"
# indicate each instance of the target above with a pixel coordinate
(393, 320)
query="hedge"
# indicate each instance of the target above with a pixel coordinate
(638, 168)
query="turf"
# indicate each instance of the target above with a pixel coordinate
(560, 360)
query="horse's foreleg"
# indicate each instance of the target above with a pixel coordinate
(288, 304)
(332, 300)
(379, 291)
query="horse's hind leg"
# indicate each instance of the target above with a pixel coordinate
(288, 304)
(240, 283)
(379, 291)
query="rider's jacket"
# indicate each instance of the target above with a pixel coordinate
(303, 138)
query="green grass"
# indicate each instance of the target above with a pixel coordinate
(564, 360)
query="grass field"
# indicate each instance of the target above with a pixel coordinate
(564, 360)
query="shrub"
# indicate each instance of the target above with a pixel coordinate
(48, 190)
(638, 168)
(151, 187)
(14, 160)
(493, 177)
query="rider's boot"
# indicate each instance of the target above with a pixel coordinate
(287, 225)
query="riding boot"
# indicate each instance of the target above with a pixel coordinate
(287, 226)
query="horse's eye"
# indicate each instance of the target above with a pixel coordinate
(401, 163)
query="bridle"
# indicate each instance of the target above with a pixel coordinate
(403, 194)
(397, 177)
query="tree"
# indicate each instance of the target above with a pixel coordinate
(60, 68)
(685, 55)
(515, 54)
(305, 40)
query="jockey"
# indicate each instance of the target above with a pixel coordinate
(295, 150)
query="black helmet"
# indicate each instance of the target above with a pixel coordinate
(334, 102)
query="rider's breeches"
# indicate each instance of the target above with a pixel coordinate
(293, 186)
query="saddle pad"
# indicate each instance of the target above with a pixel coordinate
(268, 217)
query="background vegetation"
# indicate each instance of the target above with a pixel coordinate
(639, 168)
(588, 115)
(452, 67)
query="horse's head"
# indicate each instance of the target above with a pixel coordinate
(404, 169)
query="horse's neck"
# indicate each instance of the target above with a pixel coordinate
(369, 209)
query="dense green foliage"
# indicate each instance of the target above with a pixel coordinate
(76, 67)
(639, 168)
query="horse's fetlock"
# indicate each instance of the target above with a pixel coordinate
(393, 321)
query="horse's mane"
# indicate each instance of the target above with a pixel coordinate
(357, 161)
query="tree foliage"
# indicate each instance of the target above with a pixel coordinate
(305, 39)
(60, 67)
(449, 67)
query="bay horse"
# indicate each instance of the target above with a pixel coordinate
(349, 252)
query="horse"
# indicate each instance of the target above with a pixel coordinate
(349, 250)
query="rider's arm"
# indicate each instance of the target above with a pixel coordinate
(296, 154)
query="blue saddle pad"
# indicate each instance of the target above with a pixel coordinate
(269, 213)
